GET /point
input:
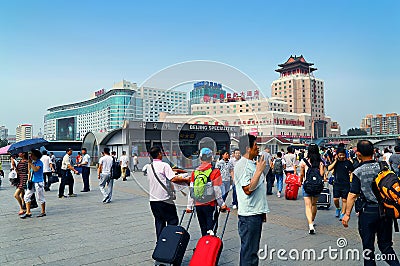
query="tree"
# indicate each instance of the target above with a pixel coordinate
(356, 132)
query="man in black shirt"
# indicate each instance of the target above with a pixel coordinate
(370, 223)
(342, 168)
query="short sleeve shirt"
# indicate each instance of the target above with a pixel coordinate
(86, 159)
(290, 160)
(37, 176)
(255, 203)
(65, 162)
(124, 161)
(46, 164)
(395, 161)
(163, 172)
(106, 163)
(342, 172)
(226, 167)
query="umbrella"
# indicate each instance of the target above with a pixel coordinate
(4, 150)
(27, 145)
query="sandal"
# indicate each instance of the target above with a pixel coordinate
(21, 212)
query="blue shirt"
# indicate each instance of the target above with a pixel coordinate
(37, 176)
(255, 203)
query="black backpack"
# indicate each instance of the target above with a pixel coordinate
(278, 166)
(314, 184)
(115, 170)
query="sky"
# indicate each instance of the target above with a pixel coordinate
(59, 52)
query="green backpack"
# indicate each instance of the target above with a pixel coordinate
(202, 187)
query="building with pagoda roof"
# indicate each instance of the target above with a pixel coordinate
(295, 65)
(303, 92)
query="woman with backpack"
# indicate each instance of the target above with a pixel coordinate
(312, 171)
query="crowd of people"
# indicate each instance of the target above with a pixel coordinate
(247, 172)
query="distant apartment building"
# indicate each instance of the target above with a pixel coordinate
(388, 124)
(3, 132)
(23, 132)
(162, 100)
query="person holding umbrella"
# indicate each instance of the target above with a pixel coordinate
(35, 176)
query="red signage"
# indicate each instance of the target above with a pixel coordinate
(99, 92)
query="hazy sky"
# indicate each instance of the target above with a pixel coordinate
(58, 52)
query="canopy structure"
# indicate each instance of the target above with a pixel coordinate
(4, 150)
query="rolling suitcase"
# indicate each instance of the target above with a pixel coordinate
(291, 192)
(208, 249)
(325, 199)
(172, 244)
(292, 187)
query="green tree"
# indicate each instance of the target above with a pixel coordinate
(3, 142)
(356, 132)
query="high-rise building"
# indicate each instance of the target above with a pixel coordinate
(162, 100)
(203, 91)
(303, 92)
(381, 125)
(3, 132)
(23, 132)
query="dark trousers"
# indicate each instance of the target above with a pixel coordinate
(135, 167)
(66, 179)
(234, 196)
(207, 216)
(164, 214)
(46, 179)
(270, 178)
(371, 225)
(85, 178)
(250, 234)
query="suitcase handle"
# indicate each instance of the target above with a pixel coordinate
(190, 219)
(226, 221)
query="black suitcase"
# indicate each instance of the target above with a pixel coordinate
(325, 199)
(172, 244)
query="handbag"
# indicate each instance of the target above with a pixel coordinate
(170, 191)
(53, 178)
(29, 184)
(13, 178)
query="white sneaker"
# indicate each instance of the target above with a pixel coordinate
(311, 230)
(234, 207)
(278, 194)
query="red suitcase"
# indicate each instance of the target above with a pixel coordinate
(208, 249)
(291, 192)
(292, 186)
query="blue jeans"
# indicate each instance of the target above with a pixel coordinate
(225, 189)
(250, 234)
(279, 181)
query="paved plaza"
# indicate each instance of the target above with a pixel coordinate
(84, 231)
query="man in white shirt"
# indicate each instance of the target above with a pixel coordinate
(124, 163)
(67, 178)
(47, 169)
(104, 175)
(162, 207)
(85, 164)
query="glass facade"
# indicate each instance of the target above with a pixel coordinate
(101, 114)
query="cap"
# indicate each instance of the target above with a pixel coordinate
(206, 153)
